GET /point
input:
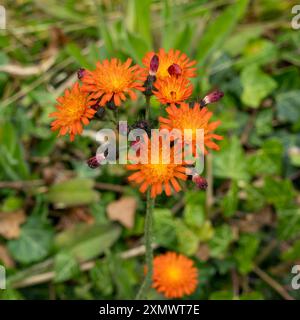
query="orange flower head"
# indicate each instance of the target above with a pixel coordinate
(173, 90)
(158, 175)
(184, 117)
(73, 110)
(167, 59)
(113, 80)
(174, 275)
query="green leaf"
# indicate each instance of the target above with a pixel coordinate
(164, 227)
(139, 20)
(288, 106)
(246, 251)
(136, 46)
(194, 213)
(280, 193)
(13, 165)
(293, 253)
(65, 267)
(230, 162)
(230, 201)
(76, 52)
(188, 240)
(221, 295)
(268, 159)
(73, 192)
(253, 295)
(257, 85)
(102, 278)
(34, 243)
(219, 244)
(263, 122)
(260, 52)
(288, 223)
(85, 242)
(219, 29)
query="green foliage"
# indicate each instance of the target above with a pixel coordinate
(246, 251)
(257, 85)
(34, 243)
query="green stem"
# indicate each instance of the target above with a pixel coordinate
(149, 250)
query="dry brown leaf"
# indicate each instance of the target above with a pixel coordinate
(10, 223)
(123, 211)
(5, 257)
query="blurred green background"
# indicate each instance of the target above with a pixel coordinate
(61, 232)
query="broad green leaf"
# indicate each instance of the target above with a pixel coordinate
(164, 227)
(246, 251)
(260, 52)
(219, 29)
(268, 159)
(188, 240)
(288, 106)
(73, 192)
(230, 162)
(65, 267)
(35, 241)
(194, 213)
(263, 122)
(257, 85)
(239, 40)
(85, 242)
(219, 244)
(280, 193)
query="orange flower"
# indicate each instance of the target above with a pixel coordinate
(166, 60)
(174, 275)
(173, 90)
(184, 117)
(73, 109)
(113, 80)
(159, 175)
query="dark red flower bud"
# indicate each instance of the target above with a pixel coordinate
(81, 73)
(200, 182)
(212, 97)
(95, 162)
(154, 64)
(174, 70)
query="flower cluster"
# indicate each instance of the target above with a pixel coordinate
(167, 77)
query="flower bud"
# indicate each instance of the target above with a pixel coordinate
(95, 162)
(80, 73)
(200, 182)
(154, 64)
(174, 70)
(212, 97)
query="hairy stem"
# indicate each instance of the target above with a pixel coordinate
(149, 250)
